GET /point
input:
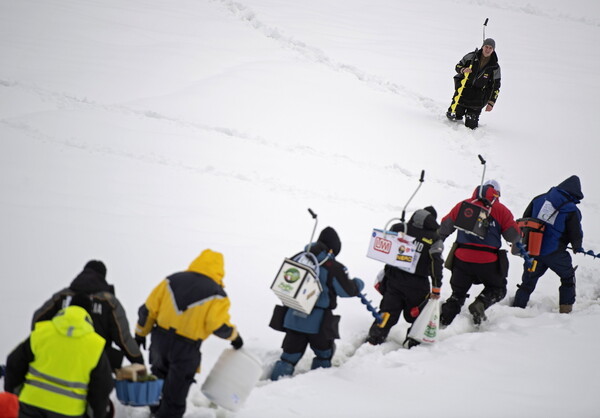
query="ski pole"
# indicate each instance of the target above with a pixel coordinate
(484, 25)
(421, 180)
(370, 308)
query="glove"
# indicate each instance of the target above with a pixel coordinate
(141, 341)
(379, 282)
(237, 343)
(435, 293)
(578, 250)
(360, 284)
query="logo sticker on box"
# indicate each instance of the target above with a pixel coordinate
(398, 250)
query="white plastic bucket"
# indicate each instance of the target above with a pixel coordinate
(232, 378)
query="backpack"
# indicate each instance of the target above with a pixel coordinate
(532, 231)
(297, 283)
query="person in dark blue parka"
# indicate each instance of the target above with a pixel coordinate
(558, 209)
(319, 329)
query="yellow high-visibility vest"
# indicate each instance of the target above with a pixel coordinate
(66, 350)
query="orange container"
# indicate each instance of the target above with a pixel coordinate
(532, 231)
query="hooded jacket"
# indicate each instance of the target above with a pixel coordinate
(62, 366)
(501, 225)
(423, 227)
(483, 84)
(558, 209)
(192, 303)
(110, 319)
(335, 282)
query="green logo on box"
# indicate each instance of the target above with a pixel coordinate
(291, 275)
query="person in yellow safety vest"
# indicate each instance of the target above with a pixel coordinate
(181, 312)
(61, 369)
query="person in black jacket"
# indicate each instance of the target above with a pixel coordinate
(476, 86)
(405, 292)
(110, 320)
(319, 329)
(557, 208)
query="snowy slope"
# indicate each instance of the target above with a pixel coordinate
(142, 132)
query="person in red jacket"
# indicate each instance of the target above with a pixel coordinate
(476, 259)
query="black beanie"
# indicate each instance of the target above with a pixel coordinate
(331, 240)
(431, 210)
(97, 266)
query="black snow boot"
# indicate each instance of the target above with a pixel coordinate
(477, 310)
(449, 310)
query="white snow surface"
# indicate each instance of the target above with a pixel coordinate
(141, 132)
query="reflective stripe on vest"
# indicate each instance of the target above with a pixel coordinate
(52, 379)
(55, 389)
(58, 377)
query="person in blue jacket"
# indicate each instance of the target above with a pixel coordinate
(558, 209)
(319, 329)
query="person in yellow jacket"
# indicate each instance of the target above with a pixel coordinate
(61, 369)
(181, 312)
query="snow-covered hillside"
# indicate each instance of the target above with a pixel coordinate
(140, 132)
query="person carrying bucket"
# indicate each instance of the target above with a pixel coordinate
(180, 313)
(560, 220)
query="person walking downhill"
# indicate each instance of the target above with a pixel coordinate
(476, 84)
(557, 209)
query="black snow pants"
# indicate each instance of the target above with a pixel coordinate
(401, 295)
(464, 275)
(176, 360)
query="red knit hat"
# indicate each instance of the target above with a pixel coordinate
(9, 405)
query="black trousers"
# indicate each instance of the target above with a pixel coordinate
(464, 275)
(297, 342)
(175, 360)
(401, 295)
(29, 411)
(466, 105)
